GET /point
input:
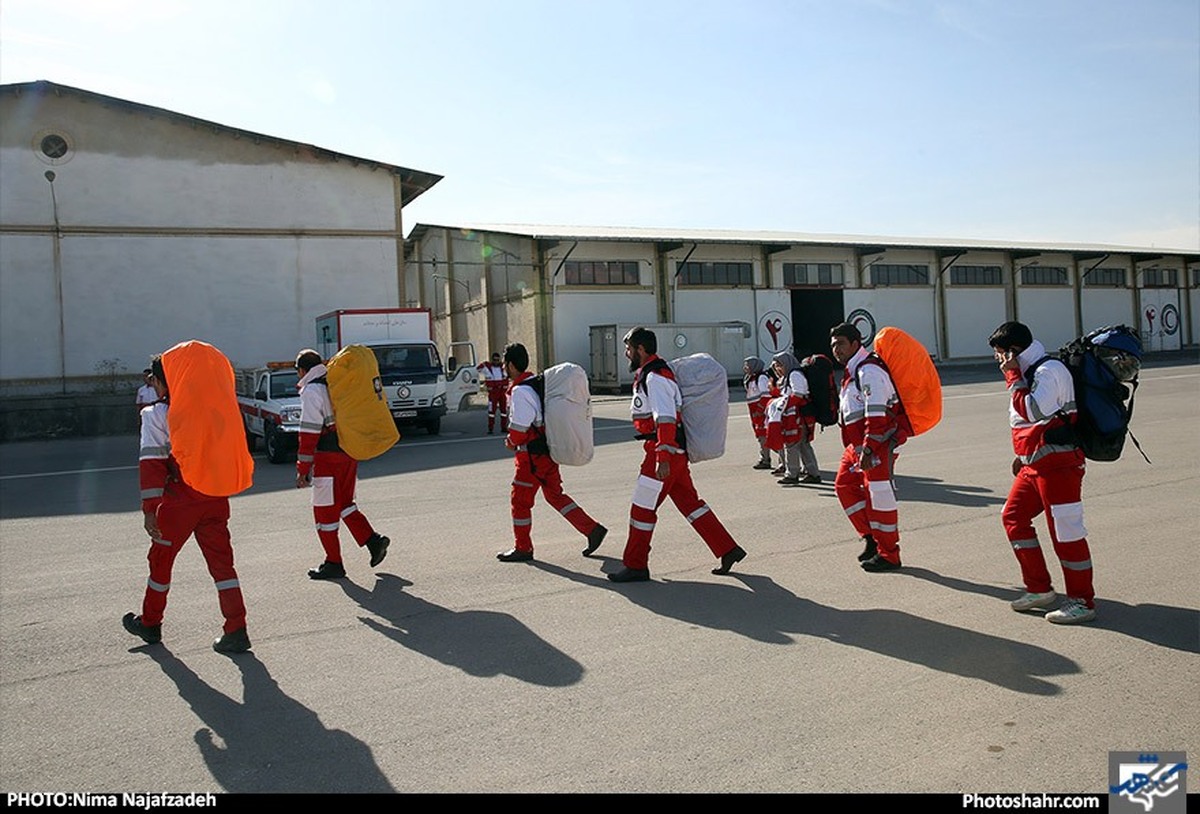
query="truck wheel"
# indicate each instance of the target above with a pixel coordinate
(434, 426)
(275, 451)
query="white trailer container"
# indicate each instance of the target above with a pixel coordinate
(727, 342)
(419, 389)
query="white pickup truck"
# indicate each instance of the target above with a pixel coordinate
(270, 408)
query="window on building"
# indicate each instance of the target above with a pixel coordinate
(1111, 276)
(600, 272)
(716, 274)
(1160, 278)
(975, 275)
(883, 274)
(1043, 275)
(1196, 277)
(813, 274)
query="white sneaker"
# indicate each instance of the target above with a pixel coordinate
(1031, 601)
(1072, 612)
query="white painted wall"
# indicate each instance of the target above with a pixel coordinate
(910, 309)
(1049, 311)
(971, 316)
(146, 262)
(1106, 306)
(576, 311)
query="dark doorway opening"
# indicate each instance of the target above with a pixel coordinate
(814, 312)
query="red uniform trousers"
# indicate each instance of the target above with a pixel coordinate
(1055, 487)
(869, 500)
(535, 472)
(334, 477)
(180, 515)
(497, 402)
(650, 493)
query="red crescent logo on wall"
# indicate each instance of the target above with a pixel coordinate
(862, 319)
(774, 332)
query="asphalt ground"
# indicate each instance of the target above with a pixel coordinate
(446, 671)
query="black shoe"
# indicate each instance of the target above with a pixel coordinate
(733, 555)
(811, 479)
(489, 432)
(788, 481)
(377, 544)
(235, 642)
(878, 564)
(327, 570)
(762, 465)
(515, 555)
(150, 634)
(631, 575)
(779, 470)
(868, 549)
(595, 538)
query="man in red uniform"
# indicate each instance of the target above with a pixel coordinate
(172, 512)
(496, 381)
(873, 426)
(535, 469)
(332, 473)
(1048, 476)
(664, 473)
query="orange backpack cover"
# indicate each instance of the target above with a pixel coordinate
(916, 379)
(208, 439)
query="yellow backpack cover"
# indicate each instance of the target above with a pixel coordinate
(208, 438)
(365, 428)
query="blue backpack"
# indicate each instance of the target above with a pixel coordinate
(1104, 366)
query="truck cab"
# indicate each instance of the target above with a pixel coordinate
(270, 406)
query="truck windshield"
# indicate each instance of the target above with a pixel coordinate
(283, 384)
(399, 359)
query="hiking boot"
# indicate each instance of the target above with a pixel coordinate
(595, 538)
(327, 570)
(788, 481)
(878, 564)
(811, 479)
(868, 548)
(1033, 601)
(630, 575)
(733, 555)
(1072, 612)
(150, 634)
(779, 470)
(377, 544)
(236, 641)
(762, 465)
(515, 555)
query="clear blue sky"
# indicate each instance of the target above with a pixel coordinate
(1065, 120)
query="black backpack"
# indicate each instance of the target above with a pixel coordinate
(822, 392)
(1104, 366)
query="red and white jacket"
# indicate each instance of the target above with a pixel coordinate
(655, 408)
(526, 419)
(1040, 406)
(156, 467)
(316, 416)
(868, 415)
(493, 378)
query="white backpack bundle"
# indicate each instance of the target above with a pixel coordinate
(567, 411)
(704, 385)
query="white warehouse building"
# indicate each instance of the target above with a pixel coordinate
(547, 286)
(126, 228)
